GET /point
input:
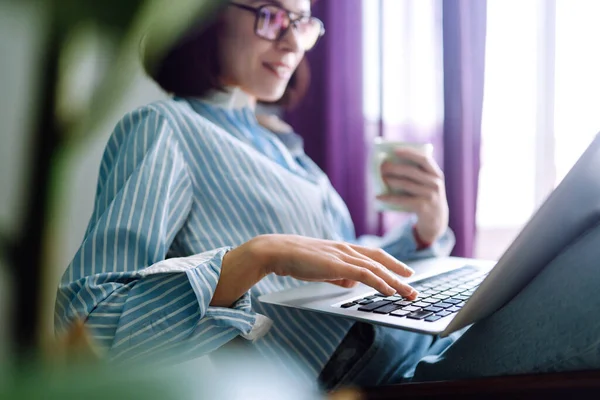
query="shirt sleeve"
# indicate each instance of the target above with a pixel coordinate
(400, 242)
(134, 299)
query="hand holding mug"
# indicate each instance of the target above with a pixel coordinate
(413, 182)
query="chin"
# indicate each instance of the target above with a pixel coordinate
(271, 96)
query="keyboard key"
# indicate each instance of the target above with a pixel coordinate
(422, 296)
(433, 309)
(400, 313)
(374, 305)
(348, 305)
(432, 318)
(386, 309)
(451, 292)
(443, 313)
(435, 291)
(420, 314)
(453, 309)
(448, 293)
(393, 298)
(420, 304)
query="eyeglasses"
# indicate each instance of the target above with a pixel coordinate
(273, 22)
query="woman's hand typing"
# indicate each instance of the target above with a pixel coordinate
(308, 259)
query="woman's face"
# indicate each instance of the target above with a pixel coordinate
(261, 68)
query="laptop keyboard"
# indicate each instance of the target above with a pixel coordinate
(439, 296)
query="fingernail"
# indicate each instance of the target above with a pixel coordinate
(412, 271)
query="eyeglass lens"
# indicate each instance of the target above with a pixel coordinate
(272, 21)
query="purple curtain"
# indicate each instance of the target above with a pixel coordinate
(332, 122)
(464, 32)
(330, 119)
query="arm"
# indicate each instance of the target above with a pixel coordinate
(134, 300)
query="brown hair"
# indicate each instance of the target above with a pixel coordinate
(191, 68)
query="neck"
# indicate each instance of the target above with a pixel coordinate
(231, 98)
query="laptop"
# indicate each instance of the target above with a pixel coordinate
(456, 292)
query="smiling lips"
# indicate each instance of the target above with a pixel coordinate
(281, 70)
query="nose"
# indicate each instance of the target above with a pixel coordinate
(290, 41)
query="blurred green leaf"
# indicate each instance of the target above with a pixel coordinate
(153, 28)
(112, 14)
(141, 29)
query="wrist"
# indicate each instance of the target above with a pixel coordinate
(423, 241)
(241, 268)
(260, 250)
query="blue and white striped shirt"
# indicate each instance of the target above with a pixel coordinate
(181, 182)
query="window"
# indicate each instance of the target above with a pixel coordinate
(541, 108)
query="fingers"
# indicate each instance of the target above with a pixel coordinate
(386, 260)
(379, 280)
(425, 161)
(409, 186)
(397, 171)
(408, 203)
(374, 274)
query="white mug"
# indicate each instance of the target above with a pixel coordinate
(385, 150)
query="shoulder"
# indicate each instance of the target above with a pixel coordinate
(182, 119)
(174, 114)
(160, 115)
(164, 117)
(169, 125)
(154, 125)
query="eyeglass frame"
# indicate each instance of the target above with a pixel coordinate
(293, 22)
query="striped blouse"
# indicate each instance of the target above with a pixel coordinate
(181, 182)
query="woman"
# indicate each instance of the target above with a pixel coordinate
(200, 210)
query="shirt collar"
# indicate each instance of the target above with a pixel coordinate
(232, 98)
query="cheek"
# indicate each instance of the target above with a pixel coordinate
(241, 58)
(232, 45)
